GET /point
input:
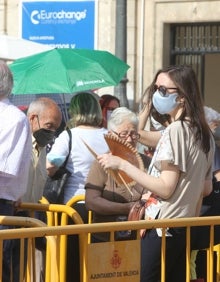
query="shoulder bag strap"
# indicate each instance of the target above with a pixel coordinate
(70, 145)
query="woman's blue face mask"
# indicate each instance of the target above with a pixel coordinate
(164, 104)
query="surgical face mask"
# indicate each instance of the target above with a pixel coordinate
(108, 114)
(43, 136)
(165, 105)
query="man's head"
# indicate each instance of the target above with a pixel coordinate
(6, 80)
(124, 124)
(45, 118)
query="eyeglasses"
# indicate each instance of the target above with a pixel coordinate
(164, 90)
(125, 134)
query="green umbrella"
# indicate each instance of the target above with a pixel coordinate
(66, 71)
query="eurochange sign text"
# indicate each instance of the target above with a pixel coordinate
(59, 24)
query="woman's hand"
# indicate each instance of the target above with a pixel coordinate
(109, 161)
(214, 124)
(51, 169)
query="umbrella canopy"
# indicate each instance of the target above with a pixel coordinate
(66, 71)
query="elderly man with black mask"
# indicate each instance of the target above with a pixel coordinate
(45, 117)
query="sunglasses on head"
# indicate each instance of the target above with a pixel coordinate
(164, 90)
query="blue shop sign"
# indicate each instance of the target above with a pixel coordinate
(61, 24)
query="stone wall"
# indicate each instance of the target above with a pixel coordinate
(147, 32)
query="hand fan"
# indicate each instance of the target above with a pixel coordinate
(125, 151)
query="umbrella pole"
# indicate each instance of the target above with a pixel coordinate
(65, 108)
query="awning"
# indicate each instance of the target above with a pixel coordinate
(12, 48)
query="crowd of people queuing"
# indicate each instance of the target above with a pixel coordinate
(182, 166)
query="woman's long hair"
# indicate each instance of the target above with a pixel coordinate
(186, 81)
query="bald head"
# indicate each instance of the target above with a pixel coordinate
(44, 113)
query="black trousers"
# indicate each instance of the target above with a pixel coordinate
(200, 235)
(6, 209)
(73, 252)
(175, 256)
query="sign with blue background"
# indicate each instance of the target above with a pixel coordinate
(61, 24)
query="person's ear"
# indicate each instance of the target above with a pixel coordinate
(31, 117)
(181, 100)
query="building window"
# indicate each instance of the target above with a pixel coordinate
(190, 42)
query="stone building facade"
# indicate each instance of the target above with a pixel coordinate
(159, 33)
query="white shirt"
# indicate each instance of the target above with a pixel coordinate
(15, 151)
(80, 158)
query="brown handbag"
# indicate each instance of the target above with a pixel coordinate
(137, 211)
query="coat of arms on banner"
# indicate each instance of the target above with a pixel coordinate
(114, 261)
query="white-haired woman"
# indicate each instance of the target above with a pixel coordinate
(104, 197)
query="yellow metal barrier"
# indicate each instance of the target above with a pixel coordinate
(57, 215)
(217, 250)
(83, 230)
(64, 221)
(21, 233)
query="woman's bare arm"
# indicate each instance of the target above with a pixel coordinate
(143, 117)
(149, 138)
(162, 186)
(95, 202)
